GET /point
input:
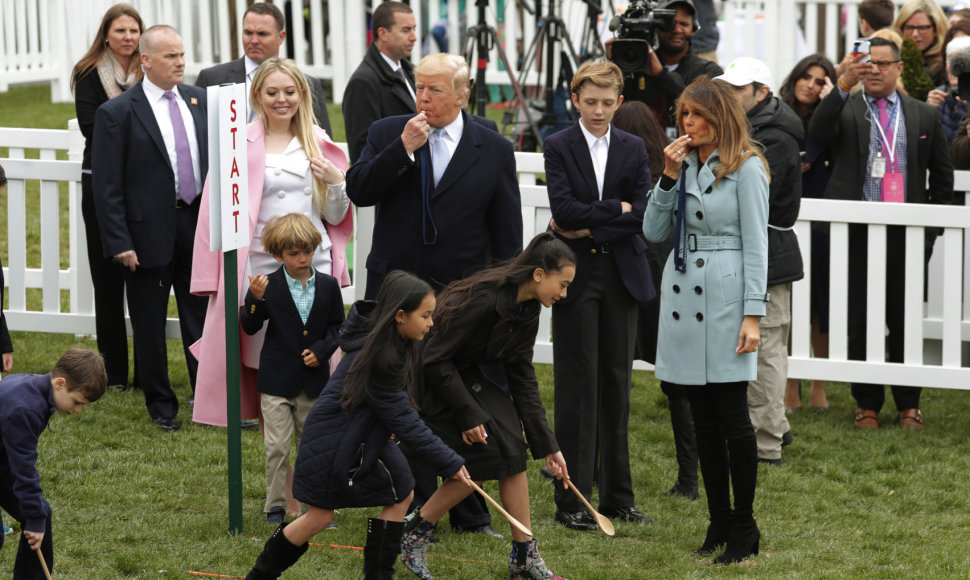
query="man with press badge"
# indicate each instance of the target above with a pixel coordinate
(883, 144)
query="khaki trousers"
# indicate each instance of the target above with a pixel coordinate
(282, 418)
(766, 395)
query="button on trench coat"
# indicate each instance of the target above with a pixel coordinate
(701, 309)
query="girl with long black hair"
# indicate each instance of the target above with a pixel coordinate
(480, 392)
(347, 457)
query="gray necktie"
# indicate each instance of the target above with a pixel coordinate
(439, 154)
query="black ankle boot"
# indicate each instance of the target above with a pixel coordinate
(278, 555)
(382, 548)
(718, 534)
(745, 541)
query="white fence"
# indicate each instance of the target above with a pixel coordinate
(40, 40)
(937, 351)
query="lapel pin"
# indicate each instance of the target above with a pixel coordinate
(194, 101)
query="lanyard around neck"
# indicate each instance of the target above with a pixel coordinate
(890, 147)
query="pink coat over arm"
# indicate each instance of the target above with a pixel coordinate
(207, 280)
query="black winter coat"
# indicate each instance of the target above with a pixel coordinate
(347, 459)
(779, 130)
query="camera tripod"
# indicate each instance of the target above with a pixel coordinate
(550, 34)
(481, 39)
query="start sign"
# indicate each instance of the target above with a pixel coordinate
(229, 177)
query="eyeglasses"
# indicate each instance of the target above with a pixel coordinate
(917, 27)
(883, 65)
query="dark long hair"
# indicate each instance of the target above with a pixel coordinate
(545, 251)
(100, 44)
(787, 92)
(386, 359)
(636, 118)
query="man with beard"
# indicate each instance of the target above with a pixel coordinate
(674, 67)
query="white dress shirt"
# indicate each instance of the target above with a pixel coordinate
(599, 150)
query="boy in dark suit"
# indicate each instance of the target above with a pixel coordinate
(26, 404)
(597, 179)
(305, 310)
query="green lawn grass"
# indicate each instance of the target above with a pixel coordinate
(132, 502)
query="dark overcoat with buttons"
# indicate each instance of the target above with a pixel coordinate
(701, 309)
(347, 458)
(476, 208)
(287, 336)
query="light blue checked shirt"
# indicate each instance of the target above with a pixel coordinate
(302, 297)
(872, 188)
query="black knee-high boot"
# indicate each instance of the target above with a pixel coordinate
(745, 536)
(278, 555)
(382, 548)
(685, 441)
(713, 454)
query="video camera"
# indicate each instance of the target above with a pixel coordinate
(636, 32)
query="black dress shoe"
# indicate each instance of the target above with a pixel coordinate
(627, 513)
(684, 490)
(576, 520)
(249, 424)
(483, 529)
(787, 439)
(165, 424)
(775, 462)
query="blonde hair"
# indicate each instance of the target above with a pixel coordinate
(289, 231)
(933, 56)
(603, 74)
(443, 63)
(716, 103)
(301, 125)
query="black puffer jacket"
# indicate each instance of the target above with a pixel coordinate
(347, 459)
(779, 130)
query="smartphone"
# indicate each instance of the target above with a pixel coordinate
(861, 46)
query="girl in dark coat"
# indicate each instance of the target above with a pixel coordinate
(481, 392)
(348, 455)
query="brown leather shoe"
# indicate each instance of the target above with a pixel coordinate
(911, 419)
(866, 419)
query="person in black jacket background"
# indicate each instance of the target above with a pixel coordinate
(779, 130)
(110, 67)
(383, 84)
(347, 457)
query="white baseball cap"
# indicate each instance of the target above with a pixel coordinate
(746, 70)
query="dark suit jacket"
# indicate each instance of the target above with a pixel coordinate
(843, 126)
(134, 183)
(476, 206)
(374, 92)
(574, 200)
(284, 374)
(235, 72)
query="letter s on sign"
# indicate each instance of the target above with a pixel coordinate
(232, 107)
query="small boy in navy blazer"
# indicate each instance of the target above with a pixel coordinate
(26, 405)
(305, 310)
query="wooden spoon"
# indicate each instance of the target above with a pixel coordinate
(515, 523)
(602, 521)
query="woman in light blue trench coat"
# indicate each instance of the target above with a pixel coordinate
(712, 296)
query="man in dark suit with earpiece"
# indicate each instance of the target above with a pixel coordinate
(149, 162)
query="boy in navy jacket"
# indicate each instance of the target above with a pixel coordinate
(305, 310)
(26, 404)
